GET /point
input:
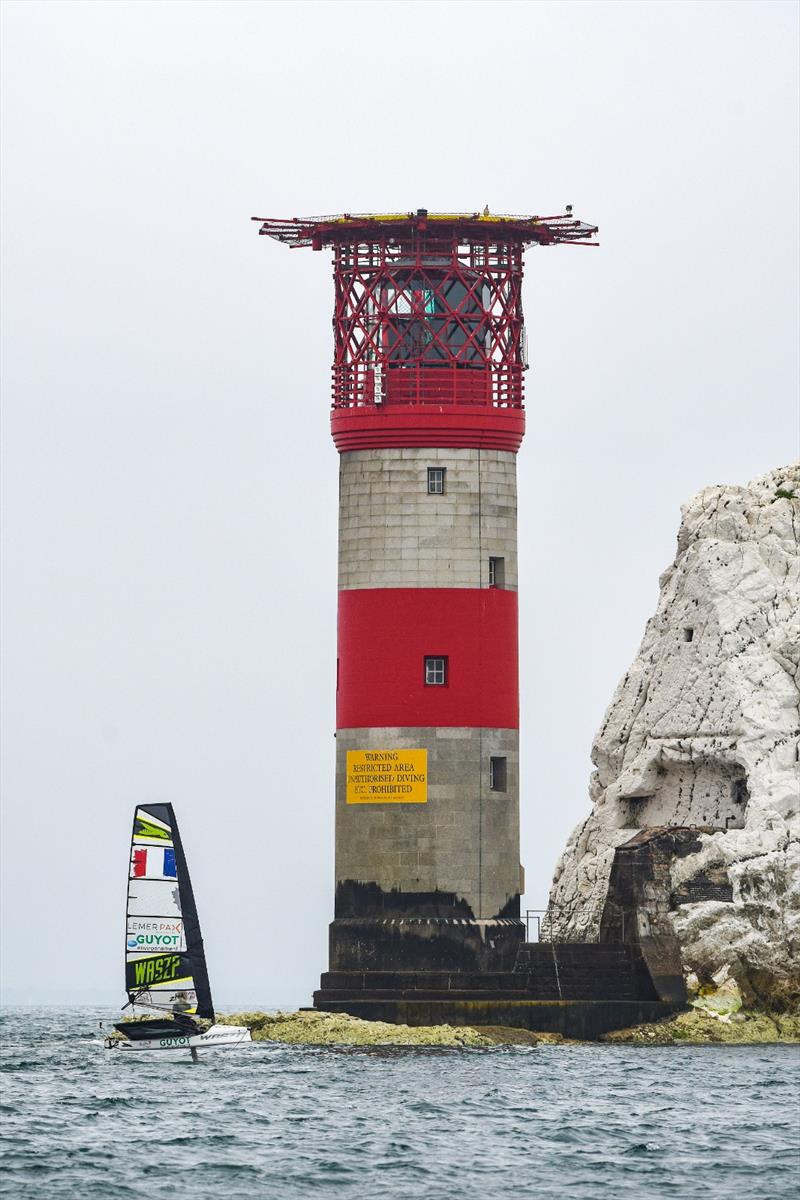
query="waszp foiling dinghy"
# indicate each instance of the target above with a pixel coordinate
(165, 966)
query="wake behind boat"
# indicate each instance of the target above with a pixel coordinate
(165, 965)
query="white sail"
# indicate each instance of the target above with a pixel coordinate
(164, 961)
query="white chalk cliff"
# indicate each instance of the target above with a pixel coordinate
(703, 731)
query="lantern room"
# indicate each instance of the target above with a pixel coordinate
(428, 322)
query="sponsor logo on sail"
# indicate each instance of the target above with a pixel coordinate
(146, 827)
(155, 941)
(168, 1001)
(161, 969)
(145, 935)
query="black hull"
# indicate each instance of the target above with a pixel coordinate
(157, 1027)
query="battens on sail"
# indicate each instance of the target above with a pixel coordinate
(165, 967)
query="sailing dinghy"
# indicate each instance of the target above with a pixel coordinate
(165, 966)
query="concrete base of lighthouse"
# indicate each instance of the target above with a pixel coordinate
(580, 990)
(483, 973)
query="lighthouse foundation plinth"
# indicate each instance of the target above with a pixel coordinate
(423, 944)
(579, 990)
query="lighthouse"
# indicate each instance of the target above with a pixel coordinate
(430, 355)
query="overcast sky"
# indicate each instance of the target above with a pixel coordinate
(170, 487)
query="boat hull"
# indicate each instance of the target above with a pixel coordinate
(216, 1037)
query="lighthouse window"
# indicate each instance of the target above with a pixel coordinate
(436, 481)
(414, 298)
(435, 671)
(497, 572)
(497, 774)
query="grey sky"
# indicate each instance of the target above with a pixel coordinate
(169, 481)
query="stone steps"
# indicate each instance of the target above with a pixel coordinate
(543, 972)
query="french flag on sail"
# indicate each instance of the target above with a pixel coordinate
(153, 862)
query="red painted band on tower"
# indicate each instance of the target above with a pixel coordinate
(385, 635)
(478, 427)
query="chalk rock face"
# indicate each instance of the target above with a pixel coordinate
(703, 732)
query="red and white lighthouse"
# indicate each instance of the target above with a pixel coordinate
(427, 416)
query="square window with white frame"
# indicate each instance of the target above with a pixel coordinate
(435, 670)
(436, 477)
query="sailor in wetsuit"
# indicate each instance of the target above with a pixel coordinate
(180, 1007)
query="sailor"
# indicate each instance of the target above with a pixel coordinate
(180, 1009)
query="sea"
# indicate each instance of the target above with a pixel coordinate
(268, 1120)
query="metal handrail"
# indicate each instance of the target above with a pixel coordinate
(534, 916)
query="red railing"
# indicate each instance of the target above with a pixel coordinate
(419, 385)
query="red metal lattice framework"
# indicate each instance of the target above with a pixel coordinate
(428, 307)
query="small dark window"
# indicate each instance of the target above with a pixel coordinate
(688, 634)
(435, 670)
(436, 480)
(497, 774)
(497, 572)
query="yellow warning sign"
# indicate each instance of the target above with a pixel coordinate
(387, 776)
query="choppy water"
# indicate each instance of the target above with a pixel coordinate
(287, 1121)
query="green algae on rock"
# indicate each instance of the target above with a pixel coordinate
(338, 1029)
(696, 1027)
(699, 1027)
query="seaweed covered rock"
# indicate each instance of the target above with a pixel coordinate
(698, 1027)
(339, 1029)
